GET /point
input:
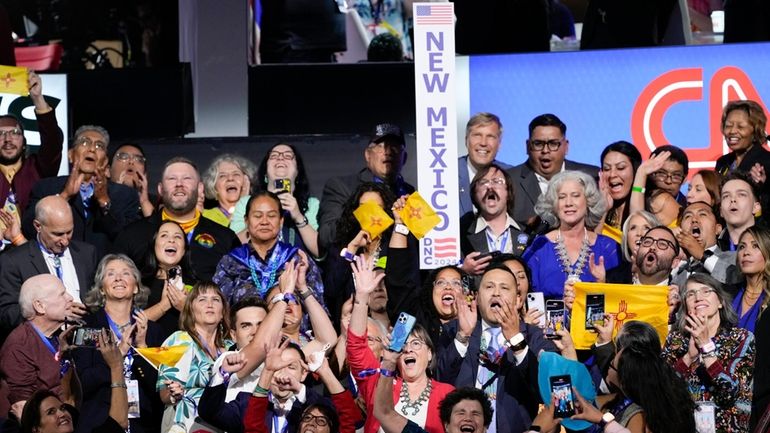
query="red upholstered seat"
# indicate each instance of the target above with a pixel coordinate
(40, 58)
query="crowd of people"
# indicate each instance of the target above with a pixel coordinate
(280, 307)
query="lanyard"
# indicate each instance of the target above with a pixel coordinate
(128, 360)
(46, 341)
(207, 349)
(275, 424)
(503, 240)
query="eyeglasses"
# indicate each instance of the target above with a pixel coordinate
(458, 284)
(87, 142)
(384, 145)
(692, 293)
(662, 176)
(125, 157)
(496, 181)
(14, 133)
(320, 420)
(553, 145)
(662, 244)
(415, 345)
(288, 155)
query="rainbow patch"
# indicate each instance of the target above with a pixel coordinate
(205, 240)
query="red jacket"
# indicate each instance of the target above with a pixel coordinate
(349, 414)
(360, 358)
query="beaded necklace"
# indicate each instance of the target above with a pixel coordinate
(573, 272)
(414, 405)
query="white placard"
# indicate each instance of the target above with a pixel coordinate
(435, 83)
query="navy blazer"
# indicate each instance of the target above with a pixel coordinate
(471, 241)
(229, 416)
(526, 189)
(25, 261)
(517, 394)
(95, 380)
(465, 183)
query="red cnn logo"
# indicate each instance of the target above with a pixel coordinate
(727, 84)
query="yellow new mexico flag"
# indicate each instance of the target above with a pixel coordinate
(14, 80)
(166, 355)
(624, 302)
(419, 216)
(372, 218)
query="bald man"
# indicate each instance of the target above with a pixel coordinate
(26, 359)
(52, 251)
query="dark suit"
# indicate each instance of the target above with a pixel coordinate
(92, 225)
(517, 395)
(95, 381)
(337, 192)
(26, 261)
(471, 241)
(526, 190)
(465, 183)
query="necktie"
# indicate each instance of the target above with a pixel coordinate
(493, 344)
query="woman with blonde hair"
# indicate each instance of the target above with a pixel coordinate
(753, 259)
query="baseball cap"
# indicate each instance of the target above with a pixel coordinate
(383, 130)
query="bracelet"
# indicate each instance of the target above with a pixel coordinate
(306, 294)
(18, 239)
(347, 255)
(387, 373)
(302, 223)
(258, 390)
(708, 347)
(288, 297)
(118, 385)
(277, 298)
(640, 189)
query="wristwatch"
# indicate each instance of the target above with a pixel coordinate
(401, 229)
(606, 419)
(517, 342)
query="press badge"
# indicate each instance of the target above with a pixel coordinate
(132, 389)
(705, 421)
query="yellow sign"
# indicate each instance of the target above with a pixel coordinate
(373, 219)
(14, 80)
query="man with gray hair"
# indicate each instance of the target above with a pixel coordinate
(52, 251)
(100, 208)
(29, 359)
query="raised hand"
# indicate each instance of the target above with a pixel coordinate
(302, 268)
(653, 164)
(604, 329)
(466, 315)
(141, 328)
(532, 317)
(569, 294)
(474, 265)
(289, 204)
(508, 318)
(758, 174)
(273, 350)
(12, 225)
(398, 206)
(565, 344)
(111, 353)
(585, 410)
(287, 282)
(698, 328)
(597, 268)
(234, 362)
(75, 179)
(364, 277)
(361, 240)
(176, 297)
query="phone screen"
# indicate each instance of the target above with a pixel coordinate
(594, 310)
(561, 390)
(554, 318)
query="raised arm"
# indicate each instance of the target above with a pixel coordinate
(366, 280)
(648, 167)
(384, 410)
(323, 329)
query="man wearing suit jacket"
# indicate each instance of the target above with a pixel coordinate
(51, 251)
(497, 354)
(385, 156)
(547, 148)
(483, 135)
(100, 208)
(492, 229)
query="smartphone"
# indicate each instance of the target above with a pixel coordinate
(282, 185)
(86, 337)
(468, 285)
(174, 272)
(594, 310)
(554, 318)
(561, 390)
(492, 254)
(536, 301)
(401, 331)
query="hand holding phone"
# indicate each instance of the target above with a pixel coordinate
(401, 331)
(554, 318)
(561, 393)
(536, 301)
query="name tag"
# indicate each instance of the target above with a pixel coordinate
(705, 420)
(132, 389)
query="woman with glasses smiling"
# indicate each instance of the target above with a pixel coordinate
(416, 395)
(282, 172)
(712, 355)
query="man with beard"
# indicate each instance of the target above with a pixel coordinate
(20, 172)
(493, 228)
(698, 238)
(547, 148)
(179, 189)
(495, 351)
(129, 167)
(100, 208)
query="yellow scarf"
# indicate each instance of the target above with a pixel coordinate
(187, 226)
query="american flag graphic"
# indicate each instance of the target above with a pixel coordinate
(437, 14)
(445, 248)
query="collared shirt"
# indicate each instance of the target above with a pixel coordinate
(543, 182)
(463, 349)
(236, 385)
(471, 170)
(709, 263)
(283, 409)
(69, 275)
(501, 242)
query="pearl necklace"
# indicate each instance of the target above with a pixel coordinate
(573, 272)
(414, 405)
